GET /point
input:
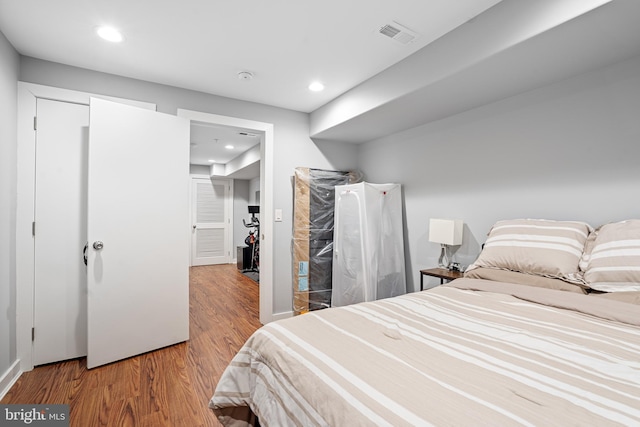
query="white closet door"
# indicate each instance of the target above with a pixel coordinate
(60, 286)
(210, 230)
(138, 214)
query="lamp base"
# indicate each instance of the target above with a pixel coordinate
(443, 261)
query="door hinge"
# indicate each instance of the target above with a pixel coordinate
(33, 334)
(35, 123)
(33, 229)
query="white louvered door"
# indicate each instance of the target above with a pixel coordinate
(211, 219)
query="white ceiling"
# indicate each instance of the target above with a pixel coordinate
(210, 142)
(514, 47)
(202, 45)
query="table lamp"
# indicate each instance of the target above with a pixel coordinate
(447, 232)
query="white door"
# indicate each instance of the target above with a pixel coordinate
(138, 277)
(60, 285)
(210, 221)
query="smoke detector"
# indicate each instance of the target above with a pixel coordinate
(245, 75)
(398, 32)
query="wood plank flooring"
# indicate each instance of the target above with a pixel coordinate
(168, 387)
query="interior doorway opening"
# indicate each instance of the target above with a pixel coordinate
(265, 132)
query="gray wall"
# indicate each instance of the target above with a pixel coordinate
(292, 146)
(569, 150)
(297, 150)
(9, 62)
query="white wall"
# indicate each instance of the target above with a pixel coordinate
(9, 62)
(254, 188)
(566, 151)
(198, 170)
(292, 145)
(241, 199)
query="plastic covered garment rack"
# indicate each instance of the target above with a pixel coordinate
(368, 253)
(312, 244)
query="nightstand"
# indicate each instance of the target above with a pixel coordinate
(442, 273)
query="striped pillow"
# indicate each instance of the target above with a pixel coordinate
(613, 265)
(535, 246)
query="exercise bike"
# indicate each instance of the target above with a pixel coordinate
(253, 239)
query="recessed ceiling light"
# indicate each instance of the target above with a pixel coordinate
(229, 147)
(211, 161)
(316, 87)
(110, 34)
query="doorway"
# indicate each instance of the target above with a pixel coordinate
(27, 94)
(211, 201)
(100, 272)
(266, 197)
(62, 141)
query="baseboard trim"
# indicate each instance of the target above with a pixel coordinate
(281, 315)
(9, 378)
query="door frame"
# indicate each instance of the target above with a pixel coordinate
(228, 207)
(25, 164)
(266, 198)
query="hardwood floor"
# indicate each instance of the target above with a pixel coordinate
(168, 387)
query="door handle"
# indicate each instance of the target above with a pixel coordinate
(97, 245)
(84, 253)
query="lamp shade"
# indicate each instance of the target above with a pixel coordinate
(445, 231)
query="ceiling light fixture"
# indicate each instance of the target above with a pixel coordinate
(316, 87)
(110, 34)
(229, 147)
(211, 161)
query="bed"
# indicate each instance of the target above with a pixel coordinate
(476, 351)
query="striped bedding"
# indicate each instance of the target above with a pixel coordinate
(474, 352)
(612, 257)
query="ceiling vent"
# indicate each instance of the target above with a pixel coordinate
(397, 32)
(244, 133)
